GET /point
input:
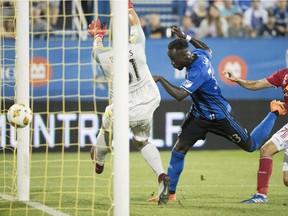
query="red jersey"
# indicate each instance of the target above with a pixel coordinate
(280, 79)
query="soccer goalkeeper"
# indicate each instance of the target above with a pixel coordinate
(144, 98)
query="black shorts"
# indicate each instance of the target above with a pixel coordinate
(193, 129)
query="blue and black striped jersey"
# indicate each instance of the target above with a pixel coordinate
(200, 82)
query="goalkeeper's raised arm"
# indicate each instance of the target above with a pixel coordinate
(132, 15)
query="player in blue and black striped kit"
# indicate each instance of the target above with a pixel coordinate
(210, 111)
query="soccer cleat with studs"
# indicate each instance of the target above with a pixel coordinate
(257, 198)
(171, 198)
(164, 190)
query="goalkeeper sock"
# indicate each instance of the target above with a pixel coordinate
(101, 149)
(175, 168)
(264, 173)
(152, 156)
(262, 131)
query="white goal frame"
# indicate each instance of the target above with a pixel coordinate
(121, 118)
(120, 89)
(22, 96)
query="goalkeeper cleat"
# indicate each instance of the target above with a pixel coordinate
(95, 29)
(99, 168)
(164, 190)
(278, 106)
(257, 198)
(171, 198)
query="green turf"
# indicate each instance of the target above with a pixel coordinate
(212, 183)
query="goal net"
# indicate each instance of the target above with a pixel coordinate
(68, 96)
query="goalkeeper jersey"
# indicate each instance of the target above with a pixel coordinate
(142, 87)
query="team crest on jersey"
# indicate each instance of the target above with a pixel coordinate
(187, 83)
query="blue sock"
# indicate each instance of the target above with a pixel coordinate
(262, 131)
(175, 168)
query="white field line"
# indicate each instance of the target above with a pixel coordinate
(153, 186)
(36, 205)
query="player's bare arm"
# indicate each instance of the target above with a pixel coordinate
(176, 92)
(248, 84)
(196, 43)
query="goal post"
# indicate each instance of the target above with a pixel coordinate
(47, 166)
(120, 103)
(22, 96)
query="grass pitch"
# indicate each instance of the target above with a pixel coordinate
(212, 183)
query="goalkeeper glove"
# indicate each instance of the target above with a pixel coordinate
(130, 4)
(95, 29)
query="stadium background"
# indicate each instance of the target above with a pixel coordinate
(260, 58)
(251, 58)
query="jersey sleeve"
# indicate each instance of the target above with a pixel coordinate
(277, 78)
(193, 81)
(98, 50)
(203, 52)
(137, 35)
(102, 55)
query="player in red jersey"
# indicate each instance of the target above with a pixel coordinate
(277, 143)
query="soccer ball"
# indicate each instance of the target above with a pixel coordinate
(19, 115)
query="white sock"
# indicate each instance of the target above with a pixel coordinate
(101, 149)
(152, 156)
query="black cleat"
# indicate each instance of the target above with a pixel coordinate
(164, 190)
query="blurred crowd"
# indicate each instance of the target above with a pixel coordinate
(198, 18)
(45, 16)
(224, 18)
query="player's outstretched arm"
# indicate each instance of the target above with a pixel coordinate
(248, 84)
(132, 15)
(196, 43)
(176, 92)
